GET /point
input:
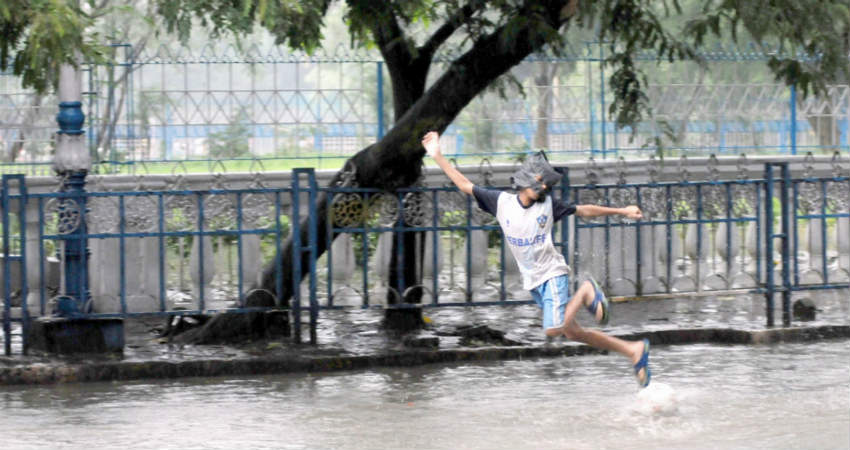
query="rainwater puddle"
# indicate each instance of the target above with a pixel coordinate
(703, 397)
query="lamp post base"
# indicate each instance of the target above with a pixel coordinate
(61, 335)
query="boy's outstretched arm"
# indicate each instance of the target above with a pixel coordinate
(632, 211)
(431, 142)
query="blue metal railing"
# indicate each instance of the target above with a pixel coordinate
(681, 228)
(359, 223)
(821, 220)
(663, 217)
(122, 234)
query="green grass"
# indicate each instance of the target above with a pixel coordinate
(274, 164)
(319, 161)
(280, 164)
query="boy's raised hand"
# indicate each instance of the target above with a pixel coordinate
(431, 142)
(632, 212)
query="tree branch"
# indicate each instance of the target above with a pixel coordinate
(460, 17)
(391, 39)
(478, 67)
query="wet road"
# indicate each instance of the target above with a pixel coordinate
(781, 396)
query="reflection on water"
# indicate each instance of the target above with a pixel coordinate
(789, 396)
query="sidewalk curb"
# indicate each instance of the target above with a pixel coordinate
(46, 373)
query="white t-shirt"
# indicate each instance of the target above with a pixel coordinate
(528, 232)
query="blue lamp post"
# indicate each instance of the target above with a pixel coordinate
(72, 163)
(70, 330)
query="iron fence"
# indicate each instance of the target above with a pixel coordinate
(178, 251)
(162, 105)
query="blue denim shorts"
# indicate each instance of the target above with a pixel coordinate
(552, 297)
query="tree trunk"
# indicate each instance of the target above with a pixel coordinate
(26, 124)
(826, 128)
(408, 83)
(405, 282)
(396, 160)
(543, 82)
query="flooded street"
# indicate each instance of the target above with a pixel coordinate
(705, 396)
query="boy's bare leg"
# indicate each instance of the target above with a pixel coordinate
(582, 298)
(598, 339)
(595, 338)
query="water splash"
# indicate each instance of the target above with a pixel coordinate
(658, 398)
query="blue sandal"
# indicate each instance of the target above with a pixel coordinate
(643, 363)
(599, 299)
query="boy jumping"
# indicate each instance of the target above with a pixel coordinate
(526, 219)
